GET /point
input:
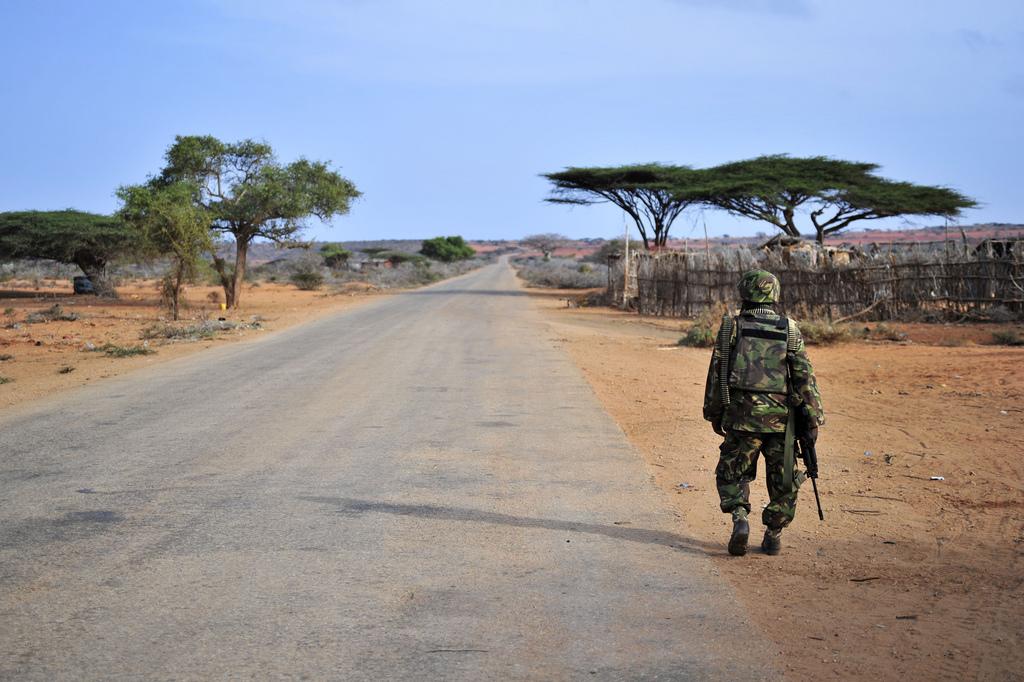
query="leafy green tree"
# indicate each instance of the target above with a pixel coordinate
(546, 243)
(652, 194)
(335, 255)
(447, 249)
(172, 224)
(834, 193)
(88, 240)
(248, 194)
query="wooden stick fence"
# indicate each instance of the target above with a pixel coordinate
(682, 284)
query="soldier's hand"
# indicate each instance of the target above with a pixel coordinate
(717, 426)
(810, 434)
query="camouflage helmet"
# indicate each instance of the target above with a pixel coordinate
(759, 286)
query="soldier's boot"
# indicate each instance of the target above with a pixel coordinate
(740, 534)
(772, 543)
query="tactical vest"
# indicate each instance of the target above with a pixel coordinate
(757, 355)
(758, 361)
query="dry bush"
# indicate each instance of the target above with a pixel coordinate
(823, 333)
(54, 312)
(563, 273)
(1007, 337)
(114, 351)
(703, 331)
(206, 329)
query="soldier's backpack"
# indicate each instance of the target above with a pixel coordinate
(756, 352)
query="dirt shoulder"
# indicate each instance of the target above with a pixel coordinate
(908, 577)
(49, 356)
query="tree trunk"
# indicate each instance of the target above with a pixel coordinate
(788, 213)
(660, 234)
(241, 249)
(102, 282)
(226, 282)
(179, 275)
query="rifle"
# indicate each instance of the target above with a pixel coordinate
(806, 452)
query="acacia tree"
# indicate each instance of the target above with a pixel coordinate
(834, 193)
(652, 194)
(88, 240)
(335, 255)
(447, 249)
(546, 243)
(248, 194)
(172, 224)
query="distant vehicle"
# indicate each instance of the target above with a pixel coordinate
(83, 285)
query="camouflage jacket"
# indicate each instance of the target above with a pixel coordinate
(758, 402)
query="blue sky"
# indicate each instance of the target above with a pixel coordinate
(445, 112)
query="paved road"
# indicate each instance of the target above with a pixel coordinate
(420, 488)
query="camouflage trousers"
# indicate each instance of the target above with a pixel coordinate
(737, 467)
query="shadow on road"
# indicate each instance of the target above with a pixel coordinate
(465, 292)
(351, 507)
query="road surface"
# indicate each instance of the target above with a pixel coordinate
(420, 488)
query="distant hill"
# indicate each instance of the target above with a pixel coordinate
(260, 253)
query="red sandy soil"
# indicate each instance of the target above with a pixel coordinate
(47, 357)
(908, 577)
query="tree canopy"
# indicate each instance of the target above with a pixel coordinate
(89, 240)
(652, 194)
(833, 192)
(546, 243)
(171, 224)
(335, 255)
(248, 194)
(447, 249)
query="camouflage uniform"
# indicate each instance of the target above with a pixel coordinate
(769, 373)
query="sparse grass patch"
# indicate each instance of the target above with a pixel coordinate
(206, 329)
(4, 357)
(66, 369)
(114, 351)
(51, 314)
(1007, 337)
(883, 332)
(5, 380)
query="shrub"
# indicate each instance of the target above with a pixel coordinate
(703, 332)
(4, 357)
(1007, 338)
(563, 273)
(307, 280)
(447, 249)
(5, 380)
(404, 275)
(822, 333)
(399, 257)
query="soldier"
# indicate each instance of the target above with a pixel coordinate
(760, 393)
